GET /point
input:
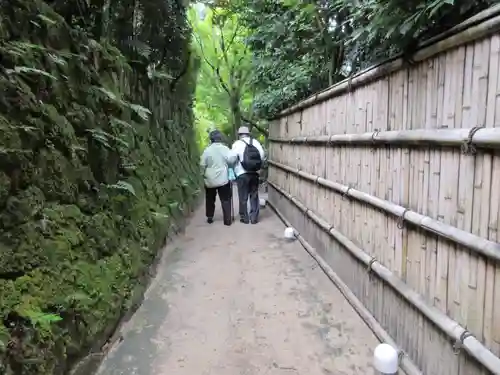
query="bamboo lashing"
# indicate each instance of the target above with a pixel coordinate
(463, 338)
(475, 243)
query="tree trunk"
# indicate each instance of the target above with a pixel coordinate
(236, 114)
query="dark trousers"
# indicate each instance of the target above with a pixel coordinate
(248, 188)
(225, 193)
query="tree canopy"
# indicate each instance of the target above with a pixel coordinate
(299, 47)
(224, 92)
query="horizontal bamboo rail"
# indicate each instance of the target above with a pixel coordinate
(455, 331)
(468, 31)
(475, 243)
(465, 138)
(406, 364)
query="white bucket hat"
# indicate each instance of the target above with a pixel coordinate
(243, 130)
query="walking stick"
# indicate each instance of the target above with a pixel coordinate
(232, 203)
(231, 180)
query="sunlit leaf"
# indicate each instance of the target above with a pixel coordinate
(46, 19)
(123, 185)
(141, 111)
(28, 70)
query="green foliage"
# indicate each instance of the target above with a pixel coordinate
(122, 185)
(295, 50)
(223, 92)
(380, 29)
(300, 47)
(98, 159)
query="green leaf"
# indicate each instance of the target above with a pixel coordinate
(116, 121)
(27, 70)
(58, 60)
(173, 205)
(111, 96)
(159, 74)
(160, 215)
(141, 111)
(47, 20)
(290, 3)
(104, 138)
(77, 296)
(4, 338)
(310, 8)
(37, 317)
(123, 185)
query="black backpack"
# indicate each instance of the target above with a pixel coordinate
(252, 162)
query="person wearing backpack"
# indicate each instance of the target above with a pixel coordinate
(215, 162)
(250, 159)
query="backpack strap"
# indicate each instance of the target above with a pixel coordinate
(251, 141)
(239, 159)
(248, 144)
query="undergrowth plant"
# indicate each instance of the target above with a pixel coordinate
(98, 160)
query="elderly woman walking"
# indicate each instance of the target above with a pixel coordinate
(215, 163)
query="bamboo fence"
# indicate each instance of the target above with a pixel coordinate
(392, 179)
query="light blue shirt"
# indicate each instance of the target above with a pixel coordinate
(215, 162)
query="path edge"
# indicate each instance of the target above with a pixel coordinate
(406, 365)
(92, 361)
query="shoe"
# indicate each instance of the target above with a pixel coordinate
(210, 220)
(227, 223)
(244, 221)
(255, 221)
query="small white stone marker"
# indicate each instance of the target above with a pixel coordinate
(289, 233)
(385, 360)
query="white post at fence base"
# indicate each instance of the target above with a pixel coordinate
(385, 360)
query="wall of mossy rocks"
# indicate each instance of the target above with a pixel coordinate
(97, 163)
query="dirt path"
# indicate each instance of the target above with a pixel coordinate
(241, 301)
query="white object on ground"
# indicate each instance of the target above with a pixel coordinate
(289, 233)
(385, 359)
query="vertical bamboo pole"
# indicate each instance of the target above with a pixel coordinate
(483, 185)
(491, 327)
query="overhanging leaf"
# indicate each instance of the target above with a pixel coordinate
(123, 185)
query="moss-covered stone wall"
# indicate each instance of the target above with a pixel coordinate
(97, 162)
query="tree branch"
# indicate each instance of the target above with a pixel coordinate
(214, 68)
(256, 126)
